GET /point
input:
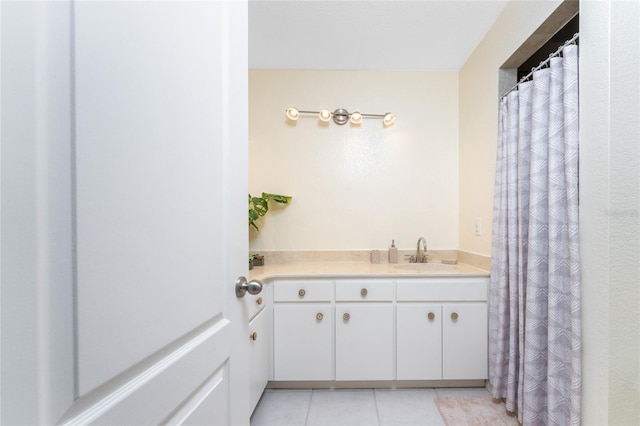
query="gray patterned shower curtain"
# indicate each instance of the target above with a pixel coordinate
(534, 303)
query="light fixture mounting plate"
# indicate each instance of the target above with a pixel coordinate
(340, 116)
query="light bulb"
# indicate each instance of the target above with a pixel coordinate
(293, 113)
(356, 118)
(388, 119)
(325, 115)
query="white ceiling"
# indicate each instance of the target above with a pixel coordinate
(367, 35)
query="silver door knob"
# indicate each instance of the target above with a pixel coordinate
(431, 316)
(242, 287)
(454, 316)
(346, 317)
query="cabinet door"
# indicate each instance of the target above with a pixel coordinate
(464, 341)
(365, 341)
(419, 334)
(259, 358)
(303, 348)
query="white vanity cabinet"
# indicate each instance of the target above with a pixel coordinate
(464, 341)
(442, 329)
(303, 330)
(365, 330)
(258, 309)
(380, 329)
(259, 356)
(419, 341)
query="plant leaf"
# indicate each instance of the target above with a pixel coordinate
(259, 206)
(282, 199)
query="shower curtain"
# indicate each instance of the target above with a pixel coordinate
(534, 303)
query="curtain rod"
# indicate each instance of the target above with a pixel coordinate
(542, 64)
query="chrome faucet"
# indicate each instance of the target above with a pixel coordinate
(423, 258)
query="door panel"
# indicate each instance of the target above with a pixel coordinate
(124, 182)
(160, 336)
(149, 250)
(157, 394)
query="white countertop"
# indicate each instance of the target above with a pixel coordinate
(362, 270)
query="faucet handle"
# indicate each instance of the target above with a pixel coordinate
(412, 258)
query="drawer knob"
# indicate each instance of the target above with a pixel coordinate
(454, 316)
(259, 300)
(301, 292)
(346, 317)
(431, 316)
(254, 335)
(363, 292)
(319, 316)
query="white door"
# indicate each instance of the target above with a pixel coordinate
(365, 345)
(302, 341)
(464, 341)
(143, 325)
(419, 341)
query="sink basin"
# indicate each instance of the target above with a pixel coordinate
(426, 267)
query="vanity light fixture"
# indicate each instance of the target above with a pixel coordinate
(342, 116)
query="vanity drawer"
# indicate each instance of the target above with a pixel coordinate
(255, 303)
(303, 291)
(443, 289)
(365, 291)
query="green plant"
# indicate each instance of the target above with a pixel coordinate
(259, 206)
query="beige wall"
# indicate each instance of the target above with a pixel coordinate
(609, 185)
(609, 177)
(355, 187)
(610, 210)
(479, 116)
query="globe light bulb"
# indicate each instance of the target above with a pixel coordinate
(389, 119)
(293, 113)
(325, 115)
(356, 118)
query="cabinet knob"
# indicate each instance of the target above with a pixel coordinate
(301, 292)
(254, 335)
(363, 292)
(346, 317)
(454, 316)
(319, 316)
(431, 316)
(259, 300)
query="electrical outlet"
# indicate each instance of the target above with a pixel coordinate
(478, 226)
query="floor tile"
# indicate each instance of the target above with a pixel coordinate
(282, 407)
(345, 407)
(407, 407)
(462, 392)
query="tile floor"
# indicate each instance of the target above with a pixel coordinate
(351, 407)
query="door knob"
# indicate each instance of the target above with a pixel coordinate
(242, 287)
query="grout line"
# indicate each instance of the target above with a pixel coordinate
(306, 419)
(375, 402)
